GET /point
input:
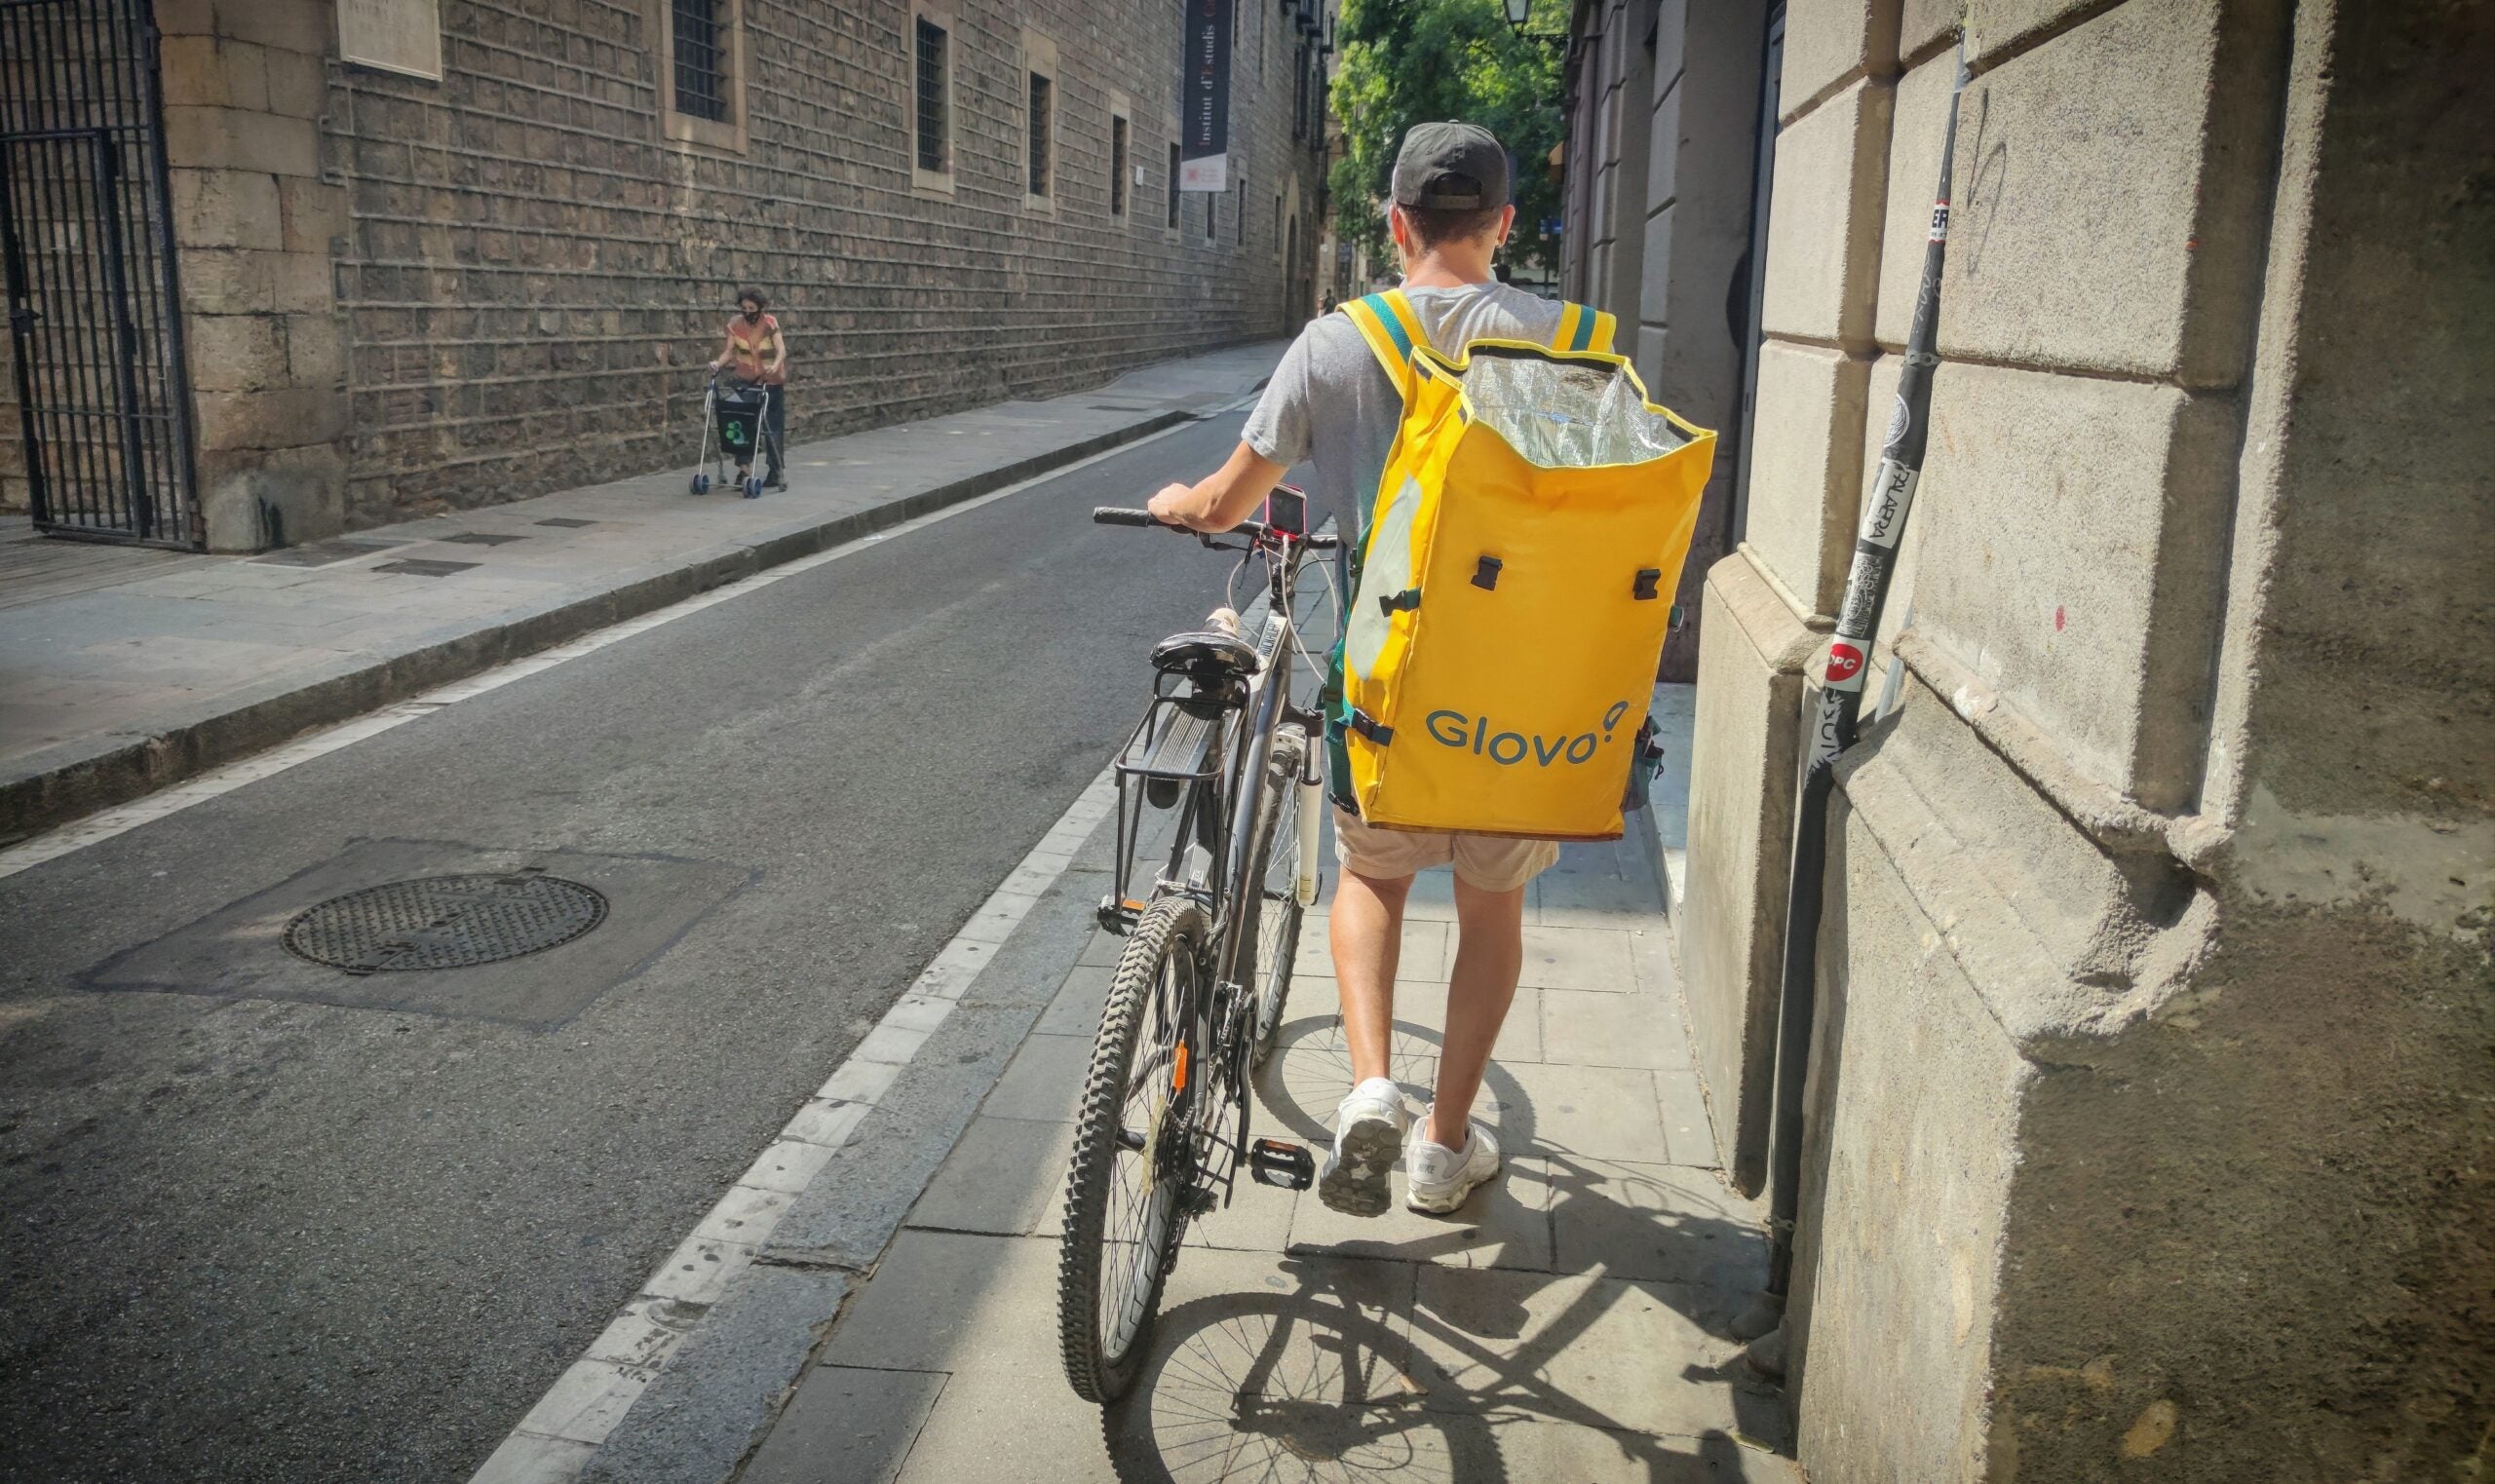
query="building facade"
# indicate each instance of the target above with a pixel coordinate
(2147, 1108)
(485, 249)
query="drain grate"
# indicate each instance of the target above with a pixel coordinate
(444, 922)
(424, 566)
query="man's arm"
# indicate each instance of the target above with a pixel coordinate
(1223, 499)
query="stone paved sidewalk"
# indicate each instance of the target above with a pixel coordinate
(1568, 1324)
(122, 670)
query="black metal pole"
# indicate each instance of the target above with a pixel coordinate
(1838, 709)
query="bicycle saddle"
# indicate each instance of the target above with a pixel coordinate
(1206, 654)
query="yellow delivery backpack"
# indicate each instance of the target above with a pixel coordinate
(1514, 583)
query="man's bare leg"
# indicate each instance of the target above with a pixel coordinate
(1489, 955)
(1366, 931)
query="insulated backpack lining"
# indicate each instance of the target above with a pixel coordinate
(1567, 414)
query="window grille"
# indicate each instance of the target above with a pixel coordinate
(1117, 166)
(1299, 94)
(935, 148)
(1038, 125)
(701, 59)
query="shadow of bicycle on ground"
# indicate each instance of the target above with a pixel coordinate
(1474, 1349)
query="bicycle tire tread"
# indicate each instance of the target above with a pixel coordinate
(1095, 1377)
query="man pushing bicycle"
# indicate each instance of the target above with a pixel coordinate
(1334, 400)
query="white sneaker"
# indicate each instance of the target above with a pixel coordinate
(1368, 1133)
(1437, 1178)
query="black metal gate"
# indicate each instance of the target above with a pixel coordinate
(95, 318)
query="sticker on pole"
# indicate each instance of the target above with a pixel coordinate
(1883, 513)
(1861, 591)
(1845, 666)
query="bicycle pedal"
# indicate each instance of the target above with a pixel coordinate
(1287, 1166)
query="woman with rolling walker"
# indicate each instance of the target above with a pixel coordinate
(756, 360)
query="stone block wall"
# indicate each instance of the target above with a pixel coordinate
(1701, 164)
(1658, 222)
(255, 226)
(1664, 157)
(1730, 923)
(16, 492)
(534, 273)
(2154, 981)
(402, 295)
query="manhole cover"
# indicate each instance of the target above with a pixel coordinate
(444, 922)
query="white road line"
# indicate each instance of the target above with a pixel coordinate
(105, 824)
(556, 1440)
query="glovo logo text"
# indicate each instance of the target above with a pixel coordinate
(1484, 736)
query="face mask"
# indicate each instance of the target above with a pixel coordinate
(753, 317)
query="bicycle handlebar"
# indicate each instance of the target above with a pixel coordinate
(1253, 530)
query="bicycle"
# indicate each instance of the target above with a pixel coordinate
(1196, 998)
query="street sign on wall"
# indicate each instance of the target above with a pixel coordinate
(1203, 97)
(403, 36)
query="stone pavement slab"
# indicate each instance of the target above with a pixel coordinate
(866, 1418)
(122, 670)
(1570, 1323)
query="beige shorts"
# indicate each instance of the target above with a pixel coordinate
(1484, 862)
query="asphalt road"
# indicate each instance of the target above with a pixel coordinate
(253, 1238)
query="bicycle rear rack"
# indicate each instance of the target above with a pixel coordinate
(1174, 747)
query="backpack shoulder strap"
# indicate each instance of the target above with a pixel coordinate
(1386, 320)
(1583, 329)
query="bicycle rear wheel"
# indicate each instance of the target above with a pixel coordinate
(1132, 1154)
(1274, 917)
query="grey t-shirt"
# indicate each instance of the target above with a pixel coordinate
(1332, 402)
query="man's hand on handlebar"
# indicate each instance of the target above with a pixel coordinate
(1223, 499)
(1169, 507)
(1255, 531)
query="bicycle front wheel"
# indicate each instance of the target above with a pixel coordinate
(1132, 1152)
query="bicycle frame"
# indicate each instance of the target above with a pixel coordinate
(1217, 814)
(1218, 810)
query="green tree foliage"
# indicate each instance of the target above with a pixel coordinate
(1408, 62)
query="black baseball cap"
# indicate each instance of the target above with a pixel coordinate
(1450, 166)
